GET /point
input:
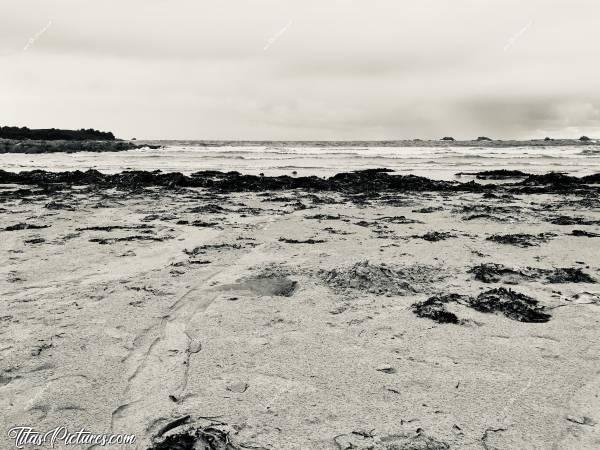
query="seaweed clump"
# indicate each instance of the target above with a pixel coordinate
(514, 305)
(511, 304)
(206, 438)
(378, 279)
(521, 239)
(434, 308)
(570, 275)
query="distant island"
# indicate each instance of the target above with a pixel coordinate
(54, 134)
(53, 140)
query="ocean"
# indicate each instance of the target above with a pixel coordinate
(321, 159)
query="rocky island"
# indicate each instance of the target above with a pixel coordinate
(50, 140)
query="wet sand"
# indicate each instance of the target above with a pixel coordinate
(309, 315)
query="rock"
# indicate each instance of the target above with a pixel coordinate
(265, 285)
(386, 369)
(581, 420)
(195, 346)
(238, 388)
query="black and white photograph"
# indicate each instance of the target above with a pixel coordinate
(300, 225)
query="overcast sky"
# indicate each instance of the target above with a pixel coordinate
(306, 69)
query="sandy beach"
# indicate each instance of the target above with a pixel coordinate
(316, 225)
(303, 318)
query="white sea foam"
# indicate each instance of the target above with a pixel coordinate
(434, 162)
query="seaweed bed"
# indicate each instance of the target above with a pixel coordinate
(521, 239)
(513, 305)
(495, 273)
(435, 236)
(203, 438)
(370, 180)
(380, 279)
(583, 233)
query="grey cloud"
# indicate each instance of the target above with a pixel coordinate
(345, 69)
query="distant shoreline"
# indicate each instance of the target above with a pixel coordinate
(29, 146)
(374, 143)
